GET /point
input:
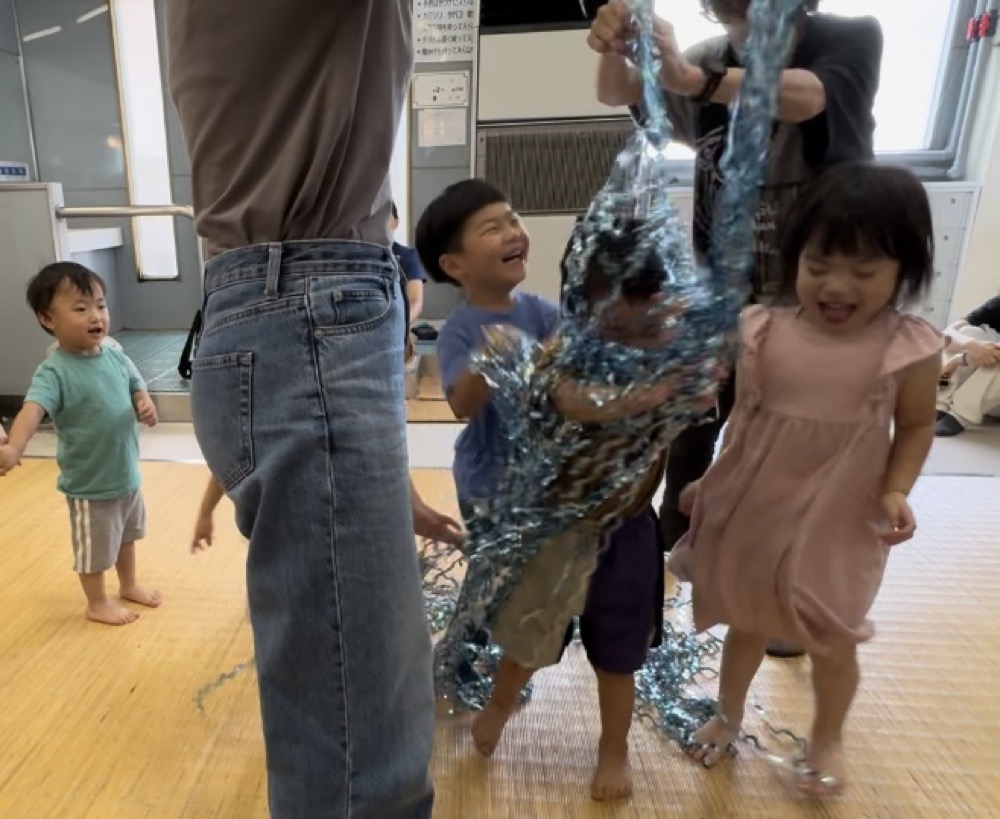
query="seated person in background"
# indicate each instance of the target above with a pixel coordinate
(412, 269)
(972, 370)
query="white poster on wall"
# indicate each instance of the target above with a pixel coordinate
(441, 89)
(441, 127)
(444, 31)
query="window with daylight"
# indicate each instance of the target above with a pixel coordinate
(140, 87)
(928, 71)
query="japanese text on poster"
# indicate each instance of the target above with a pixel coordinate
(445, 30)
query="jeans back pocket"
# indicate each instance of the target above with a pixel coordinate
(222, 408)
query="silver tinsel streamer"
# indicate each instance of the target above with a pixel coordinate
(557, 472)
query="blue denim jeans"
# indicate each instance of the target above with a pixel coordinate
(297, 397)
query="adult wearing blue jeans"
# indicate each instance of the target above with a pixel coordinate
(289, 110)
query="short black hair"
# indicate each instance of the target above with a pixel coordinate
(45, 284)
(395, 213)
(615, 247)
(859, 206)
(439, 229)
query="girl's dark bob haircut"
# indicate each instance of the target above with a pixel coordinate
(861, 208)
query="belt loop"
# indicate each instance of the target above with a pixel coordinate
(273, 270)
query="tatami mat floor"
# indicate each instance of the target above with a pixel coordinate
(160, 719)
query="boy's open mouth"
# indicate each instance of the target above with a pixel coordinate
(514, 255)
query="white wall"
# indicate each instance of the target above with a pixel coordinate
(979, 279)
(399, 173)
(517, 80)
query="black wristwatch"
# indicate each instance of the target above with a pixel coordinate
(715, 73)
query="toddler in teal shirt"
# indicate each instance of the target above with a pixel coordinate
(93, 393)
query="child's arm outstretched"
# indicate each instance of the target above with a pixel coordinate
(21, 432)
(203, 527)
(911, 442)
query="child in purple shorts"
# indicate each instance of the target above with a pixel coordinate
(471, 238)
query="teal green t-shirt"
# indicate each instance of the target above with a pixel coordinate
(89, 399)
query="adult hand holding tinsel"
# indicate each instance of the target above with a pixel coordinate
(614, 32)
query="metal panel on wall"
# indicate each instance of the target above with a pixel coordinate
(442, 127)
(550, 167)
(31, 237)
(8, 28)
(15, 132)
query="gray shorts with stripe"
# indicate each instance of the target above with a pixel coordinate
(98, 529)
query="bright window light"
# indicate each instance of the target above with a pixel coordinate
(146, 156)
(915, 33)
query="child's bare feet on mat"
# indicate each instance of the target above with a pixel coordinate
(713, 742)
(612, 777)
(141, 595)
(823, 772)
(487, 728)
(110, 614)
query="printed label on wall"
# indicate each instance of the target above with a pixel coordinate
(13, 172)
(444, 31)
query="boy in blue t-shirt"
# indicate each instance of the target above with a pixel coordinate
(93, 393)
(471, 238)
(491, 266)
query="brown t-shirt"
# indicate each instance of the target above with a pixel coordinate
(289, 109)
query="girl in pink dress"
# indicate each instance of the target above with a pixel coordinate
(792, 526)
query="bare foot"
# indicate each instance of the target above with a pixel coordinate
(110, 614)
(487, 728)
(143, 596)
(612, 777)
(712, 742)
(824, 773)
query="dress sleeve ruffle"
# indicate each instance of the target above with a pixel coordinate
(753, 321)
(914, 340)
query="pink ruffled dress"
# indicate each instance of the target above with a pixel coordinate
(784, 538)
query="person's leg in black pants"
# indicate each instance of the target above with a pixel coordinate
(690, 455)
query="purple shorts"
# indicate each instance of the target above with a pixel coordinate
(623, 615)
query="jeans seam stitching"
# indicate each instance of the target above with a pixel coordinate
(331, 478)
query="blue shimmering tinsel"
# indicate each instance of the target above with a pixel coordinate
(558, 473)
